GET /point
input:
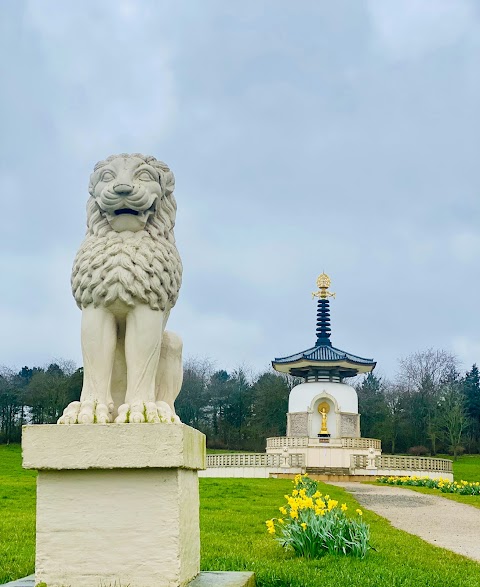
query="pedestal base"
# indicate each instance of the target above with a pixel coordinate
(204, 579)
(103, 521)
(324, 438)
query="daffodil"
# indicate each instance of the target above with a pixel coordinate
(359, 512)
(331, 504)
(344, 507)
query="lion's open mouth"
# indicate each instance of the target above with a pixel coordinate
(126, 211)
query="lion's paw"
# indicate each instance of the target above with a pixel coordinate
(166, 414)
(86, 412)
(139, 412)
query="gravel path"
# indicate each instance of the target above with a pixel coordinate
(437, 520)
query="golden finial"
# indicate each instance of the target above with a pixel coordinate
(323, 282)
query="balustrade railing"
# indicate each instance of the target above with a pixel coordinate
(255, 460)
(302, 442)
(287, 441)
(350, 442)
(296, 460)
(404, 463)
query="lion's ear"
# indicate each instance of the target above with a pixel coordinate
(169, 184)
(167, 179)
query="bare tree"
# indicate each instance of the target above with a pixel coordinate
(436, 365)
(394, 395)
(453, 418)
(422, 375)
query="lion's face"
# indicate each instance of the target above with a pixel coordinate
(127, 191)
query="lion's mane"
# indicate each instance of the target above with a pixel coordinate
(135, 267)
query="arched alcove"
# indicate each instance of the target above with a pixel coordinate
(315, 420)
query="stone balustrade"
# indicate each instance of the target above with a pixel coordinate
(302, 442)
(405, 463)
(348, 442)
(287, 442)
(254, 460)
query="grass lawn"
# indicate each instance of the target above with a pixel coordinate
(466, 468)
(234, 537)
(17, 516)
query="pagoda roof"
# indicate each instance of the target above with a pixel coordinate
(323, 357)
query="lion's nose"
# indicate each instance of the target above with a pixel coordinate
(123, 188)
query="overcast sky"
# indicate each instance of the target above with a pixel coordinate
(304, 136)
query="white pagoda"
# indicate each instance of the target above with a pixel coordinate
(323, 421)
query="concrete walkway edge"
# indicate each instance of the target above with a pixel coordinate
(437, 520)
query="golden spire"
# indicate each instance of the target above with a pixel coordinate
(323, 282)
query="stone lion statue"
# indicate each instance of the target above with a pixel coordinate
(126, 277)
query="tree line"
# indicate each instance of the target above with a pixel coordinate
(428, 408)
(235, 410)
(35, 396)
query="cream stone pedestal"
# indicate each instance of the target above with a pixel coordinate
(117, 504)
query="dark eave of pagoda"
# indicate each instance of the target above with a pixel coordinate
(323, 358)
(325, 354)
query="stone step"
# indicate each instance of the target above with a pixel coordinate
(328, 471)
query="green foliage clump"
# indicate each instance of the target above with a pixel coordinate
(443, 485)
(313, 524)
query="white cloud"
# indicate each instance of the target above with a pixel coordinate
(467, 349)
(109, 72)
(38, 314)
(223, 338)
(412, 28)
(465, 247)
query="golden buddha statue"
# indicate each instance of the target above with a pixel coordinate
(323, 410)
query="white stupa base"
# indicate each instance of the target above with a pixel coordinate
(329, 454)
(116, 504)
